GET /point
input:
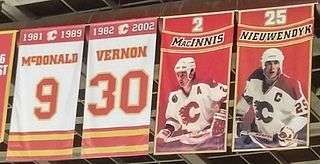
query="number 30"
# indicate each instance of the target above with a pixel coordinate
(108, 93)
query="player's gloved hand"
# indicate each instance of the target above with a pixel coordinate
(286, 136)
(219, 122)
(163, 135)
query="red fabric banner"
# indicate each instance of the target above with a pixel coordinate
(7, 40)
(273, 78)
(193, 83)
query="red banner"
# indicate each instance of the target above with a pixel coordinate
(272, 95)
(194, 80)
(7, 40)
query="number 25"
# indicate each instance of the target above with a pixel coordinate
(275, 17)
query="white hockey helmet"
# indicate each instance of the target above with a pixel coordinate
(272, 54)
(185, 64)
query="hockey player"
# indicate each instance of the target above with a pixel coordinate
(194, 108)
(278, 103)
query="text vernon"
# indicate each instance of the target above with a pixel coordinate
(121, 53)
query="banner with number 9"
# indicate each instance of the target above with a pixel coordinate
(46, 93)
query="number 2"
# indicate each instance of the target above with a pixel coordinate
(47, 92)
(197, 23)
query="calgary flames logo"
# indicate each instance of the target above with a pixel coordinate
(189, 113)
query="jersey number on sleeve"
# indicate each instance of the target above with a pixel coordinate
(108, 93)
(301, 107)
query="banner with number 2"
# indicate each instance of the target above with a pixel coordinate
(46, 92)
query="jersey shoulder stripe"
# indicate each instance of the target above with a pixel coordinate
(290, 86)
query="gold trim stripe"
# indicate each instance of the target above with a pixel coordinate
(32, 153)
(186, 51)
(275, 44)
(197, 34)
(115, 149)
(277, 27)
(42, 137)
(115, 133)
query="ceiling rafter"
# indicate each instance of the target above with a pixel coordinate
(13, 12)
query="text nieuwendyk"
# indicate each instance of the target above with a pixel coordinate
(279, 35)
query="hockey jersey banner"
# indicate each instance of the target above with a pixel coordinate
(46, 93)
(119, 88)
(273, 78)
(7, 40)
(193, 83)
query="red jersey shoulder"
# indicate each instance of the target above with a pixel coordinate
(290, 86)
(257, 74)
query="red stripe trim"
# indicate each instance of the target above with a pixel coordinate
(115, 128)
(14, 158)
(99, 155)
(44, 132)
(116, 141)
(39, 145)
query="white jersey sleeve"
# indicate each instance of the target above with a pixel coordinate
(218, 92)
(172, 111)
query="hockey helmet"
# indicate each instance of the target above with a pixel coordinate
(272, 54)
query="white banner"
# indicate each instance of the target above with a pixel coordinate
(119, 88)
(46, 92)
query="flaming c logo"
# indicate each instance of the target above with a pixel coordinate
(189, 116)
(123, 29)
(52, 35)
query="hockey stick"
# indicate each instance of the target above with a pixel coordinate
(268, 137)
(186, 136)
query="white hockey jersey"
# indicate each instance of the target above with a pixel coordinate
(194, 112)
(276, 106)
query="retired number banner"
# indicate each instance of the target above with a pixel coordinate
(46, 92)
(194, 79)
(273, 78)
(119, 88)
(7, 40)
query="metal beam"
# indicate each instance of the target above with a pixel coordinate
(192, 158)
(24, 2)
(307, 162)
(315, 103)
(13, 12)
(111, 3)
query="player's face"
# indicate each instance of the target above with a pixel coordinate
(272, 69)
(182, 78)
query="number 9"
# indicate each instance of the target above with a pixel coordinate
(47, 92)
